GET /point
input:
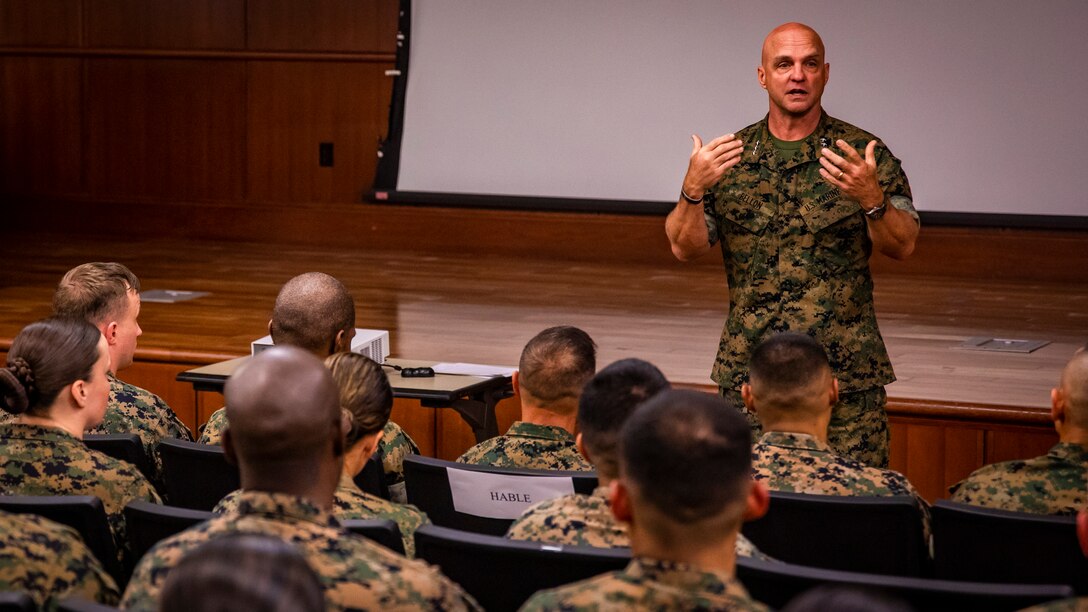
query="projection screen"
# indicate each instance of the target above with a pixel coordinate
(591, 104)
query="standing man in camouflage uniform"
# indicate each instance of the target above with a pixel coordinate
(290, 462)
(50, 562)
(798, 202)
(1054, 483)
(554, 366)
(315, 312)
(684, 488)
(793, 391)
(107, 294)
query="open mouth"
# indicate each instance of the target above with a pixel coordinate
(796, 92)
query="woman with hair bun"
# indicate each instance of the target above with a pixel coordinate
(56, 383)
(366, 400)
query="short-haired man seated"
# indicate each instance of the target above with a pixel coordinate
(286, 435)
(553, 368)
(607, 401)
(684, 487)
(1054, 483)
(791, 390)
(315, 312)
(107, 295)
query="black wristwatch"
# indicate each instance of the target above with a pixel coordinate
(877, 212)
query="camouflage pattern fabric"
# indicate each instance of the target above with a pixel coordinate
(355, 572)
(213, 429)
(49, 461)
(647, 584)
(530, 446)
(587, 520)
(858, 428)
(50, 562)
(394, 446)
(135, 410)
(1052, 484)
(350, 503)
(796, 255)
(800, 463)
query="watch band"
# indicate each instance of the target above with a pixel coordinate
(877, 212)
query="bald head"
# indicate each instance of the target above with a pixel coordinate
(1074, 389)
(311, 309)
(789, 34)
(283, 408)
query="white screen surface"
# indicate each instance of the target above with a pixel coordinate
(983, 101)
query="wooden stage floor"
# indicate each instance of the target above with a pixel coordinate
(466, 307)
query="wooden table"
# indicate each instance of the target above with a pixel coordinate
(472, 397)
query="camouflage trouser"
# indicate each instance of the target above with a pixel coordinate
(859, 425)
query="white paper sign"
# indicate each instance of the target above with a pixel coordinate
(502, 496)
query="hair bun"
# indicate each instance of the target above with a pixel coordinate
(14, 391)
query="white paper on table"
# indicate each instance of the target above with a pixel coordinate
(472, 369)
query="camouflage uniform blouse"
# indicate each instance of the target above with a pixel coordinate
(134, 410)
(800, 463)
(394, 446)
(647, 584)
(49, 461)
(796, 255)
(50, 563)
(529, 446)
(1052, 484)
(350, 503)
(586, 520)
(355, 572)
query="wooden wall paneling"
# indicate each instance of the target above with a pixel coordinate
(1006, 444)
(166, 24)
(418, 421)
(323, 25)
(40, 23)
(294, 106)
(40, 125)
(935, 455)
(161, 379)
(454, 436)
(170, 129)
(207, 402)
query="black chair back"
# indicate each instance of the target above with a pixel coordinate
(775, 584)
(149, 523)
(195, 475)
(16, 601)
(879, 535)
(84, 513)
(382, 531)
(372, 477)
(126, 447)
(428, 485)
(501, 574)
(988, 545)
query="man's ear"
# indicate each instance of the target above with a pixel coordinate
(833, 394)
(516, 385)
(1057, 405)
(620, 500)
(1082, 531)
(749, 399)
(762, 76)
(341, 343)
(757, 502)
(227, 442)
(581, 446)
(270, 330)
(110, 332)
